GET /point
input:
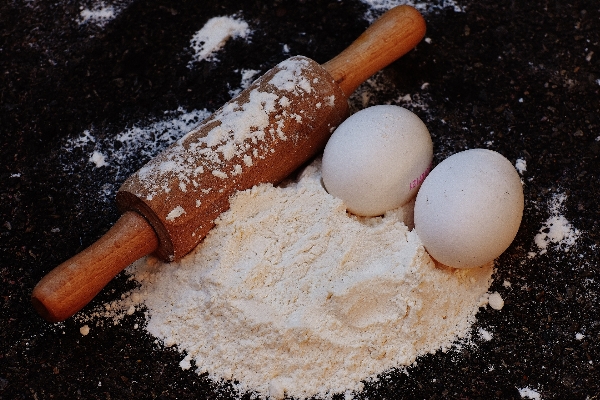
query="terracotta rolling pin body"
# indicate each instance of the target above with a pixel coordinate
(262, 135)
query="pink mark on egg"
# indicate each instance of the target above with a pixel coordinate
(417, 182)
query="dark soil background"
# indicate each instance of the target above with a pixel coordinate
(521, 78)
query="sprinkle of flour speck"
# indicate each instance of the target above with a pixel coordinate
(521, 166)
(529, 393)
(557, 230)
(290, 295)
(248, 76)
(98, 159)
(485, 335)
(99, 15)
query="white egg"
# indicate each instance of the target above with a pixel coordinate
(469, 208)
(377, 159)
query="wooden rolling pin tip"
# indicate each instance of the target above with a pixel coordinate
(42, 310)
(70, 286)
(391, 36)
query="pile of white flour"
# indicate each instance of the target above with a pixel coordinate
(290, 295)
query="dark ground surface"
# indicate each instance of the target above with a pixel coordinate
(59, 78)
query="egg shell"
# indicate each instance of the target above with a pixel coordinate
(377, 159)
(469, 208)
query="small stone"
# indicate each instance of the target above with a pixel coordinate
(496, 301)
(84, 330)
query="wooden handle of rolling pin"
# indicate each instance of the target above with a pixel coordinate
(70, 286)
(74, 283)
(394, 34)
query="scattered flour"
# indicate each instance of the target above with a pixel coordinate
(102, 12)
(528, 393)
(378, 7)
(290, 295)
(100, 15)
(557, 230)
(213, 36)
(248, 76)
(485, 335)
(145, 141)
(150, 140)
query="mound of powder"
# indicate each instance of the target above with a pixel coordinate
(290, 295)
(214, 34)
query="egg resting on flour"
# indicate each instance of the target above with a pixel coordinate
(376, 159)
(469, 208)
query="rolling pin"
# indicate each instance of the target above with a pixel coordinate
(262, 135)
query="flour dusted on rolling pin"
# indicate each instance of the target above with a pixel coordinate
(262, 135)
(289, 294)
